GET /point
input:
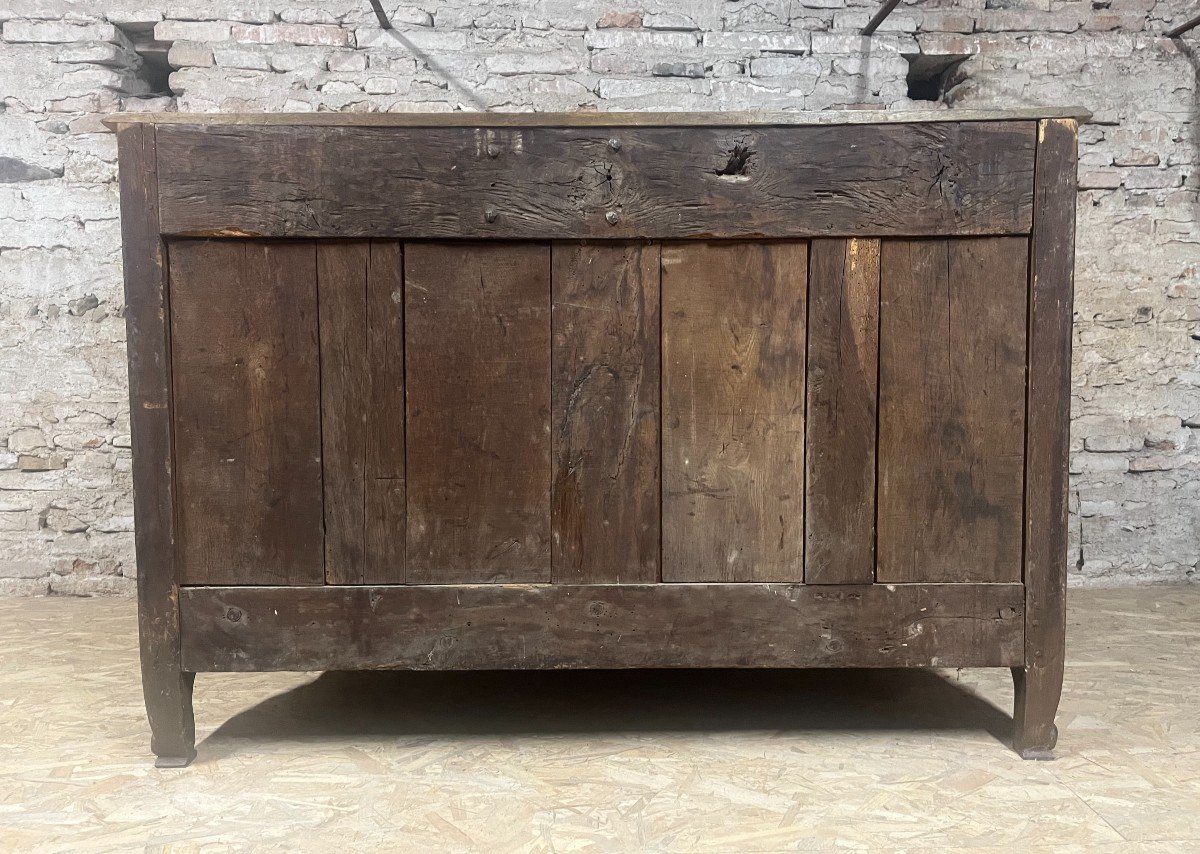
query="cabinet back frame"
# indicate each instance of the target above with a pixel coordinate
(1044, 211)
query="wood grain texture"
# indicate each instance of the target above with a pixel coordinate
(843, 365)
(360, 289)
(247, 419)
(1048, 413)
(385, 483)
(602, 626)
(580, 118)
(951, 409)
(345, 405)
(605, 379)
(167, 688)
(477, 331)
(733, 411)
(564, 183)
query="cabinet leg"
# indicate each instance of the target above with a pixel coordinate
(1036, 695)
(172, 726)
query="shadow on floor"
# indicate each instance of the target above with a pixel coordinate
(398, 703)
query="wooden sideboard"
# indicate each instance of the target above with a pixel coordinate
(478, 391)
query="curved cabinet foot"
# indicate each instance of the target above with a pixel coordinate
(1036, 695)
(172, 726)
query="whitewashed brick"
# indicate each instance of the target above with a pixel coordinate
(534, 63)
(347, 61)
(301, 34)
(785, 66)
(195, 31)
(764, 42)
(57, 32)
(240, 56)
(187, 54)
(620, 39)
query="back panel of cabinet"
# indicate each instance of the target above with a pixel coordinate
(835, 411)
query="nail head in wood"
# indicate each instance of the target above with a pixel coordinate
(613, 217)
(490, 214)
(614, 144)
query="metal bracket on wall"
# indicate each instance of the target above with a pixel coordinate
(1183, 28)
(381, 15)
(884, 11)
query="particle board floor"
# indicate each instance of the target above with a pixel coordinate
(654, 761)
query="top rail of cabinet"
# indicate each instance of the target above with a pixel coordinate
(600, 119)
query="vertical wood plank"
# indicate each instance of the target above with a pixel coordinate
(1049, 419)
(477, 331)
(733, 411)
(951, 409)
(605, 388)
(361, 296)
(345, 405)
(385, 521)
(843, 361)
(247, 420)
(167, 689)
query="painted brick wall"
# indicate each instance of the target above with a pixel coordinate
(65, 508)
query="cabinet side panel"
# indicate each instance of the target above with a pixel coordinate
(733, 411)
(1052, 286)
(843, 362)
(606, 501)
(951, 409)
(247, 414)
(167, 689)
(477, 352)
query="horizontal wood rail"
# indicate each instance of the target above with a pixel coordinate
(526, 626)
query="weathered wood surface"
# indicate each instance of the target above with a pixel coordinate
(167, 689)
(345, 405)
(952, 409)
(605, 379)
(1049, 411)
(733, 411)
(362, 410)
(602, 626)
(563, 183)
(385, 483)
(598, 119)
(247, 412)
(843, 363)
(477, 330)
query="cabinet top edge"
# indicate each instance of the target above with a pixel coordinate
(597, 119)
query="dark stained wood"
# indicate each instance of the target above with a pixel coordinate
(361, 296)
(345, 405)
(602, 626)
(167, 688)
(385, 534)
(564, 183)
(605, 379)
(580, 118)
(951, 409)
(247, 416)
(843, 362)
(477, 331)
(733, 411)
(1039, 682)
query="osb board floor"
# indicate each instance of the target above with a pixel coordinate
(767, 761)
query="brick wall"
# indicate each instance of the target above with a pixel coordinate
(65, 509)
